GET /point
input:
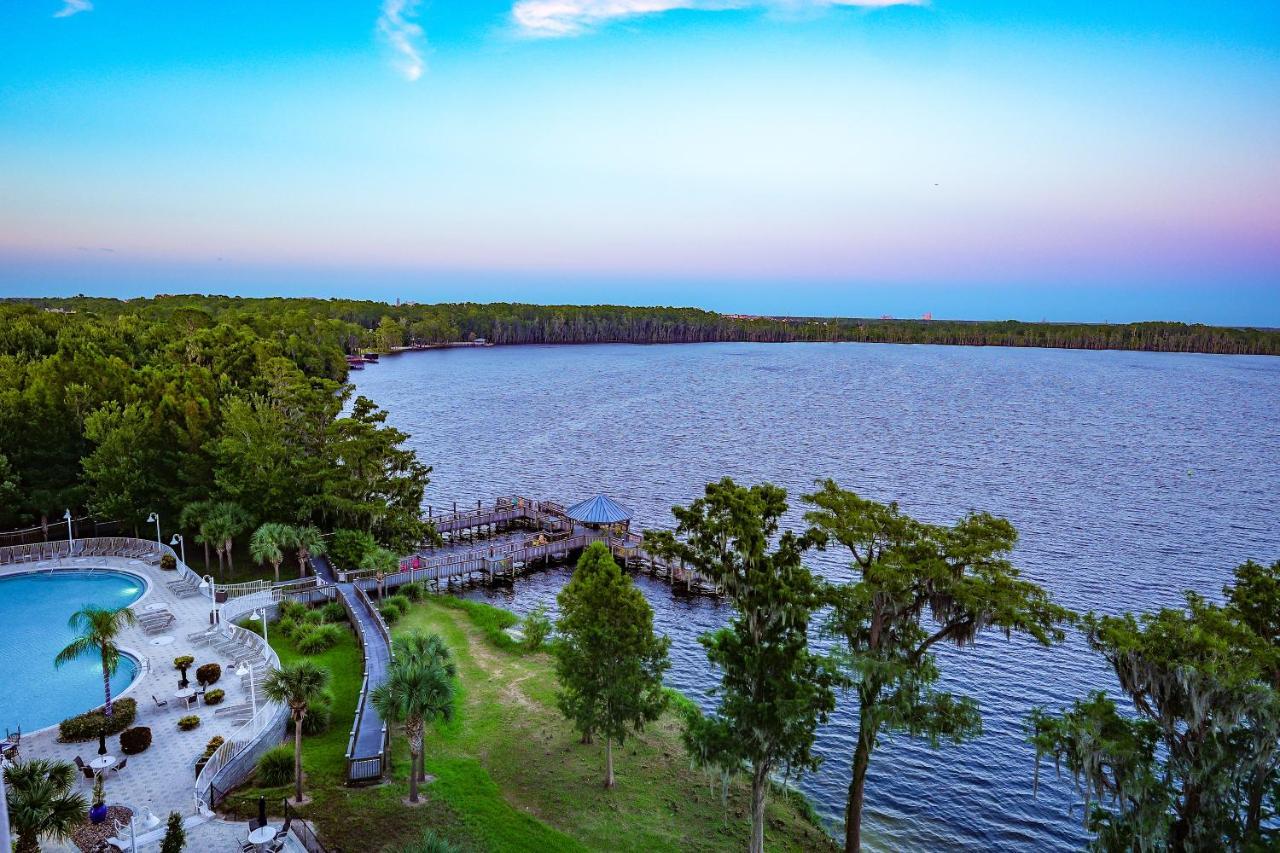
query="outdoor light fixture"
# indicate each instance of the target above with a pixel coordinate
(246, 668)
(155, 516)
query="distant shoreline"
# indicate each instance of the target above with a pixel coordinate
(385, 327)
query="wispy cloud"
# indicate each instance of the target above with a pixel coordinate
(73, 7)
(397, 26)
(553, 18)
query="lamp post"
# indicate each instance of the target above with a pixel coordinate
(262, 614)
(207, 583)
(155, 516)
(71, 540)
(181, 543)
(246, 668)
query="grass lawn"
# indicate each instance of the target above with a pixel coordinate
(509, 771)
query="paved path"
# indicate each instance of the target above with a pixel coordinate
(368, 742)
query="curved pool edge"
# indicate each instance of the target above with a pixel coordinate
(133, 654)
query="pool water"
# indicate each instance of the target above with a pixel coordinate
(34, 609)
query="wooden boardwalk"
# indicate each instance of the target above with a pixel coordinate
(547, 536)
(367, 753)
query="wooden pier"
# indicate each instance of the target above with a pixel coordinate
(543, 534)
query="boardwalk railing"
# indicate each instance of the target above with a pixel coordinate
(366, 768)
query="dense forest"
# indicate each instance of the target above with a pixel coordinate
(376, 324)
(218, 420)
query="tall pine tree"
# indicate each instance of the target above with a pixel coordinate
(608, 660)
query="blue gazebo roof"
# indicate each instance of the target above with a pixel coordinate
(598, 510)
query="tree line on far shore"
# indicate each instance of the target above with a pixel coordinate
(1189, 760)
(382, 326)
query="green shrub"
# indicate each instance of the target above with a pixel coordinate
(536, 628)
(391, 611)
(189, 722)
(169, 563)
(313, 617)
(209, 749)
(89, 726)
(295, 610)
(334, 612)
(400, 600)
(254, 625)
(209, 673)
(348, 547)
(319, 716)
(135, 740)
(313, 639)
(413, 591)
(213, 697)
(285, 627)
(275, 767)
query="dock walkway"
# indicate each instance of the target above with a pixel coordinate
(548, 536)
(367, 754)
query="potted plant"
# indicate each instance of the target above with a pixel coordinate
(98, 812)
(189, 722)
(182, 664)
(169, 563)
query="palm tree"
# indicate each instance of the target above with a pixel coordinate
(223, 521)
(297, 685)
(98, 629)
(382, 562)
(268, 544)
(308, 542)
(196, 515)
(42, 802)
(426, 649)
(235, 522)
(414, 693)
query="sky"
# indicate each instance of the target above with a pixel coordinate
(968, 158)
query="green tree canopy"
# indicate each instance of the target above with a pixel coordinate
(608, 660)
(917, 585)
(1195, 766)
(774, 691)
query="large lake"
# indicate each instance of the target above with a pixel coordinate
(1130, 477)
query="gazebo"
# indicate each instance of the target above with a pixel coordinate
(600, 511)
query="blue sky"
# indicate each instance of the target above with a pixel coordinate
(972, 158)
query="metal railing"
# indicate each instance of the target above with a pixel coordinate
(302, 830)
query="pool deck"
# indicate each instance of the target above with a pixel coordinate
(161, 778)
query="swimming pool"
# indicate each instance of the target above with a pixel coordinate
(34, 608)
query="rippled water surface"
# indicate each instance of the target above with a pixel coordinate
(1130, 477)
